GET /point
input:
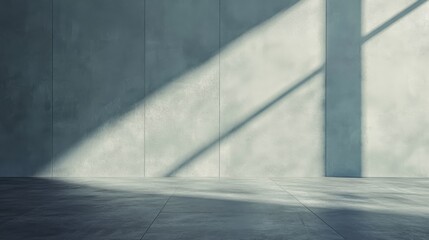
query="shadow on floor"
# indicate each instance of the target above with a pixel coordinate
(186, 209)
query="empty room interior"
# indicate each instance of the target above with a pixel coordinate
(214, 119)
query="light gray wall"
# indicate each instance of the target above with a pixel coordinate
(271, 88)
(395, 87)
(182, 110)
(214, 88)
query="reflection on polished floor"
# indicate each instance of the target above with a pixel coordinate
(170, 208)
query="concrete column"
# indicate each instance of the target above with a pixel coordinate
(343, 89)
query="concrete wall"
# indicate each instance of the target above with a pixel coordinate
(343, 88)
(214, 88)
(271, 88)
(25, 86)
(98, 77)
(182, 83)
(395, 86)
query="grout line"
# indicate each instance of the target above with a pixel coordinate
(150, 225)
(307, 208)
(52, 88)
(220, 52)
(144, 88)
(325, 90)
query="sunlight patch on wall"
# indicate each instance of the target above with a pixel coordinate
(175, 130)
(395, 86)
(182, 118)
(287, 138)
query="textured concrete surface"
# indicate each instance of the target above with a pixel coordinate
(181, 118)
(150, 88)
(396, 83)
(98, 88)
(280, 208)
(25, 87)
(343, 110)
(272, 88)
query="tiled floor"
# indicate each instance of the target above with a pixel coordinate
(287, 208)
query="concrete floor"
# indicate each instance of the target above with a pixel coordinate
(292, 208)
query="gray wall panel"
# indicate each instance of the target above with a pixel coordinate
(98, 88)
(25, 87)
(182, 107)
(343, 122)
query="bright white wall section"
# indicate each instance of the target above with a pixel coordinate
(272, 90)
(395, 88)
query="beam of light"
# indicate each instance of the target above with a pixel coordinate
(185, 116)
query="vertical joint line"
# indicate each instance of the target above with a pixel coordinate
(325, 159)
(144, 88)
(52, 88)
(219, 81)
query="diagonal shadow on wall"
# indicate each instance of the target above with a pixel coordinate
(98, 65)
(245, 122)
(343, 111)
(342, 121)
(99, 74)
